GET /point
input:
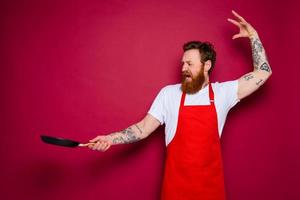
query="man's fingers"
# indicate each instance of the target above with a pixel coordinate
(95, 139)
(101, 143)
(234, 22)
(100, 146)
(99, 137)
(238, 16)
(237, 36)
(107, 147)
(95, 146)
(90, 146)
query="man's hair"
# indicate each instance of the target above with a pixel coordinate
(206, 49)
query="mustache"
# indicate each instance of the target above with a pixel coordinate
(186, 74)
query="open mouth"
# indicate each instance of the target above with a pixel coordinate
(186, 75)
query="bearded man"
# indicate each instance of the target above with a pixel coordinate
(194, 114)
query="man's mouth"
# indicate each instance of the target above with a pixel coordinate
(186, 75)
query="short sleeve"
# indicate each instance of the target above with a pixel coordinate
(230, 91)
(158, 109)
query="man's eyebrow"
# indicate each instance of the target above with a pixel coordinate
(188, 61)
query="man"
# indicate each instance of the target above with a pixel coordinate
(194, 113)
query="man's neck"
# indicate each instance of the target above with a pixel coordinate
(206, 82)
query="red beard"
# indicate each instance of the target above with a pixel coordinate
(190, 84)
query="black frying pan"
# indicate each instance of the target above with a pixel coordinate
(62, 141)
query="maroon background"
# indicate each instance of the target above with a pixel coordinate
(77, 69)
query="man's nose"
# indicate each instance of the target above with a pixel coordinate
(184, 67)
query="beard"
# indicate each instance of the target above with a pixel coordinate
(190, 84)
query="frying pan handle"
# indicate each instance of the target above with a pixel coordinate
(86, 144)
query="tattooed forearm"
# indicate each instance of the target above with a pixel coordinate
(124, 137)
(248, 76)
(257, 49)
(260, 60)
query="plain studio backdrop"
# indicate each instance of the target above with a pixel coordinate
(78, 69)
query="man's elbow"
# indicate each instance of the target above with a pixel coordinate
(269, 74)
(264, 75)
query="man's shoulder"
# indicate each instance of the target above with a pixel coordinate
(227, 91)
(225, 85)
(172, 88)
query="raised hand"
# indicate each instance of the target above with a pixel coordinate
(246, 30)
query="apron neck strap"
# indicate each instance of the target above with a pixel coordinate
(211, 93)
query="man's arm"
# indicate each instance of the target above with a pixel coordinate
(250, 82)
(131, 134)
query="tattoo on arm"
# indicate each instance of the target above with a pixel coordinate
(257, 49)
(260, 60)
(248, 76)
(265, 67)
(141, 132)
(259, 82)
(124, 137)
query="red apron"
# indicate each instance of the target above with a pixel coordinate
(193, 167)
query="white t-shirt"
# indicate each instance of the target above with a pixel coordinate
(165, 107)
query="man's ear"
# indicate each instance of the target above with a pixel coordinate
(207, 65)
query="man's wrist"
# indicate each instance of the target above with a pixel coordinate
(253, 35)
(111, 138)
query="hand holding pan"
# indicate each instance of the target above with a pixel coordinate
(63, 142)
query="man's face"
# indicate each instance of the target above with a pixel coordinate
(192, 72)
